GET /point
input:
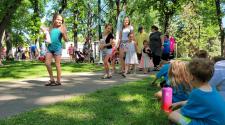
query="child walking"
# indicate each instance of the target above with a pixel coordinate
(146, 61)
(54, 49)
(205, 106)
(131, 54)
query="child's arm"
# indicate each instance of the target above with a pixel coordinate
(64, 33)
(162, 40)
(177, 105)
(154, 81)
(136, 48)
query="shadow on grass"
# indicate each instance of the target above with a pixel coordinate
(26, 69)
(128, 104)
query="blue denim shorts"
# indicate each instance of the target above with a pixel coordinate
(55, 52)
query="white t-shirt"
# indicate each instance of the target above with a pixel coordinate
(126, 31)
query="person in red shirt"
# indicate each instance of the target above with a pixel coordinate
(71, 52)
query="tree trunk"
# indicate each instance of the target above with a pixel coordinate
(7, 18)
(89, 22)
(75, 25)
(63, 6)
(219, 18)
(166, 22)
(117, 8)
(8, 44)
(36, 18)
(99, 20)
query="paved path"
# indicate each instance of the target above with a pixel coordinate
(23, 95)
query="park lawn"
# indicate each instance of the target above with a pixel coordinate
(127, 104)
(34, 69)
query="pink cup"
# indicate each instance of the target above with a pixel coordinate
(167, 94)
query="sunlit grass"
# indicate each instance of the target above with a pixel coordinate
(32, 69)
(127, 104)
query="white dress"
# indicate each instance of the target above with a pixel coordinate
(131, 54)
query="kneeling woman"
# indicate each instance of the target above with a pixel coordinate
(107, 49)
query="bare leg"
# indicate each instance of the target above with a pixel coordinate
(158, 94)
(175, 116)
(134, 66)
(145, 70)
(127, 68)
(48, 62)
(58, 67)
(113, 65)
(122, 62)
(106, 64)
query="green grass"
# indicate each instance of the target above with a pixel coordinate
(127, 104)
(31, 69)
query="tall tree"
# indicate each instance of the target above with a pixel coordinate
(219, 18)
(9, 9)
(63, 6)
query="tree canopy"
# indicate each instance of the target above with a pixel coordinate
(195, 24)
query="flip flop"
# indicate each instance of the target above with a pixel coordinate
(50, 83)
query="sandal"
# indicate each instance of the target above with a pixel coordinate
(124, 75)
(56, 84)
(50, 82)
(105, 76)
(109, 76)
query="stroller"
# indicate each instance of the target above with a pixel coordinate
(79, 57)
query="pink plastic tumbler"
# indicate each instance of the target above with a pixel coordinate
(166, 99)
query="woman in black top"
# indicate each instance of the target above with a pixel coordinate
(107, 49)
(156, 44)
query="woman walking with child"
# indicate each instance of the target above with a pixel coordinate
(127, 28)
(54, 49)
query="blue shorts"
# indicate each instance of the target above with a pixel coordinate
(55, 52)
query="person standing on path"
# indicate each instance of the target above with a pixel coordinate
(127, 28)
(71, 52)
(156, 45)
(54, 49)
(140, 37)
(107, 52)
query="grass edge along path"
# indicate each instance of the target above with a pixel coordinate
(34, 69)
(128, 104)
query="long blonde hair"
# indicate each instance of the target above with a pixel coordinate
(179, 74)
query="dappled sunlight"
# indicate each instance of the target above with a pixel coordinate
(8, 97)
(130, 98)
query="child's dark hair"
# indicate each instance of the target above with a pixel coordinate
(140, 29)
(218, 58)
(108, 24)
(155, 28)
(130, 33)
(201, 69)
(167, 36)
(202, 54)
(145, 41)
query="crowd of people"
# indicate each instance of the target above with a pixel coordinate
(134, 51)
(198, 87)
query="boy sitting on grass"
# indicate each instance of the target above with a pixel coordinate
(205, 106)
